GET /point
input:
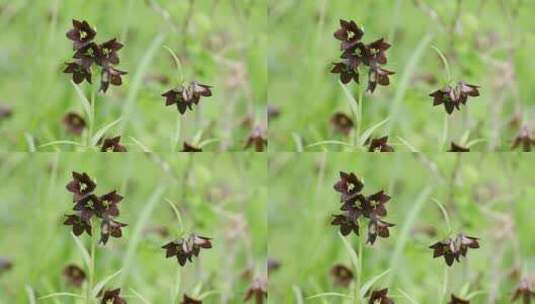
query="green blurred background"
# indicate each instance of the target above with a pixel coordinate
(219, 196)
(487, 196)
(488, 43)
(223, 45)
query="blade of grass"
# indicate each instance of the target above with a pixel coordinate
(102, 131)
(370, 131)
(31, 294)
(141, 145)
(60, 294)
(30, 141)
(408, 145)
(404, 83)
(83, 250)
(103, 282)
(364, 289)
(61, 142)
(134, 239)
(298, 294)
(404, 234)
(329, 294)
(139, 296)
(137, 80)
(445, 214)
(406, 295)
(329, 142)
(298, 142)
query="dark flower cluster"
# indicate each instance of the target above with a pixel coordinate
(454, 96)
(356, 53)
(453, 249)
(112, 297)
(188, 300)
(186, 96)
(456, 300)
(524, 292)
(88, 53)
(112, 144)
(356, 205)
(379, 145)
(380, 297)
(74, 275)
(185, 248)
(525, 139)
(342, 275)
(89, 206)
(257, 291)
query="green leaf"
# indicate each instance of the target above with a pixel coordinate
(103, 282)
(102, 131)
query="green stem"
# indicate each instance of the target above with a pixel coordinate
(359, 275)
(359, 116)
(91, 268)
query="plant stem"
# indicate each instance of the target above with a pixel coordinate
(359, 273)
(359, 116)
(91, 268)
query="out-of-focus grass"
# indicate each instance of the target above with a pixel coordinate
(223, 46)
(490, 196)
(220, 196)
(490, 44)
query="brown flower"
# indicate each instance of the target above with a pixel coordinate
(349, 186)
(187, 300)
(74, 275)
(273, 264)
(525, 139)
(5, 112)
(377, 227)
(78, 71)
(379, 144)
(78, 225)
(347, 221)
(81, 185)
(74, 123)
(5, 264)
(81, 34)
(185, 248)
(457, 148)
(349, 33)
(257, 140)
(257, 291)
(342, 275)
(342, 123)
(186, 96)
(524, 292)
(111, 227)
(112, 297)
(110, 75)
(112, 144)
(453, 249)
(454, 97)
(190, 148)
(380, 297)
(456, 300)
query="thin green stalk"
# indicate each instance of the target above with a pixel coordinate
(359, 122)
(91, 272)
(445, 62)
(359, 274)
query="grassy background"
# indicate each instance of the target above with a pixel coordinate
(223, 45)
(487, 196)
(490, 45)
(220, 196)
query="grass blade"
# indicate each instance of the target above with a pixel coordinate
(102, 131)
(61, 294)
(138, 229)
(406, 295)
(370, 131)
(103, 282)
(86, 105)
(139, 296)
(329, 294)
(364, 289)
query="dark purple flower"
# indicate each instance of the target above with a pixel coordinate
(5, 264)
(74, 275)
(342, 275)
(185, 248)
(342, 123)
(186, 96)
(453, 249)
(74, 123)
(457, 148)
(456, 300)
(112, 297)
(525, 139)
(187, 300)
(524, 292)
(81, 33)
(257, 291)
(79, 73)
(81, 185)
(454, 97)
(110, 227)
(78, 225)
(348, 222)
(379, 144)
(377, 227)
(380, 297)
(112, 144)
(257, 140)
(190, 148)
(349, 33)
(107, 52)
(110, 75)
(349, 186)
